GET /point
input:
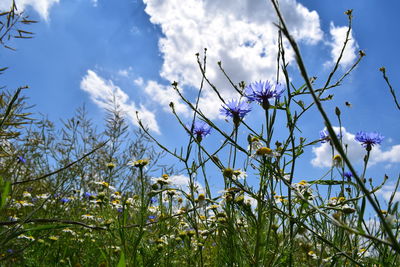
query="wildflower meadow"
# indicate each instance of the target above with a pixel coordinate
(78, 195)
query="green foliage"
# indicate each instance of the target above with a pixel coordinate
(79, 196)
(10, 22)
(4, 189)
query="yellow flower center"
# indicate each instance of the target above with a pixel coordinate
(337, 158)
(201, 197)
(110, 165)
(303, 182)
(140, 163)
(254, 139)
(263, 151)
(228, 172)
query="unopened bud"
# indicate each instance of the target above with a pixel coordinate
(337, 111)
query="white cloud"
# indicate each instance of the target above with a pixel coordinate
(239, 33)
(182, 182)
(40, 6)
(387, 191)
(392, 155)
(102, 91)
(338, 35)
(356, 152)
(164, 95)
(125, 72)
(94, 2)
(139, 81)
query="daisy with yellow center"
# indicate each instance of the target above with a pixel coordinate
(53, 238)
(337, 161)
(303, 182)
(110, 165)
(139, 163)
(106, 185)
(30, 238)
(264, 151)
(312, 254)
(87, 216)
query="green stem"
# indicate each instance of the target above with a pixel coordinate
(335, 140)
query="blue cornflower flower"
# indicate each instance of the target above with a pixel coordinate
(348, 174)
(236, 110)
(324, 136)
(21, 159)
(65, 200)
(87, 194)
(368, 140)
(263, 91)
(200, 130)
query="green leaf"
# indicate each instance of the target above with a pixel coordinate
(47, 227)
(4, 194)
(121, 262)
(329, 97)
(395, 208)
(9, 107)
(361, 213)
(361, 229)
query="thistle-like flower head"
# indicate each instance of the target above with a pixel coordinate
(263, 91)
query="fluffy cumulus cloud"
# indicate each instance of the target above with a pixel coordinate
(238, 33)
(42, 7)
(164, 95)
(105, 94)
(181, 182)
(338, 37)
(355, 152)
(387, 191)
(125, 72)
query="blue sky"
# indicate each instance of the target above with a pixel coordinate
(84, 49)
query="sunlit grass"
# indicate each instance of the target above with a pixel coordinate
(77, 196)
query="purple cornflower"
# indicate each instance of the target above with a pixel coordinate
(263, 91)
(152, 218)
(368, 140)
(21, 159)
(348, 174)
(65, 200)
(236, 110)
(87, 195)
(324, 136)
(200, 129)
